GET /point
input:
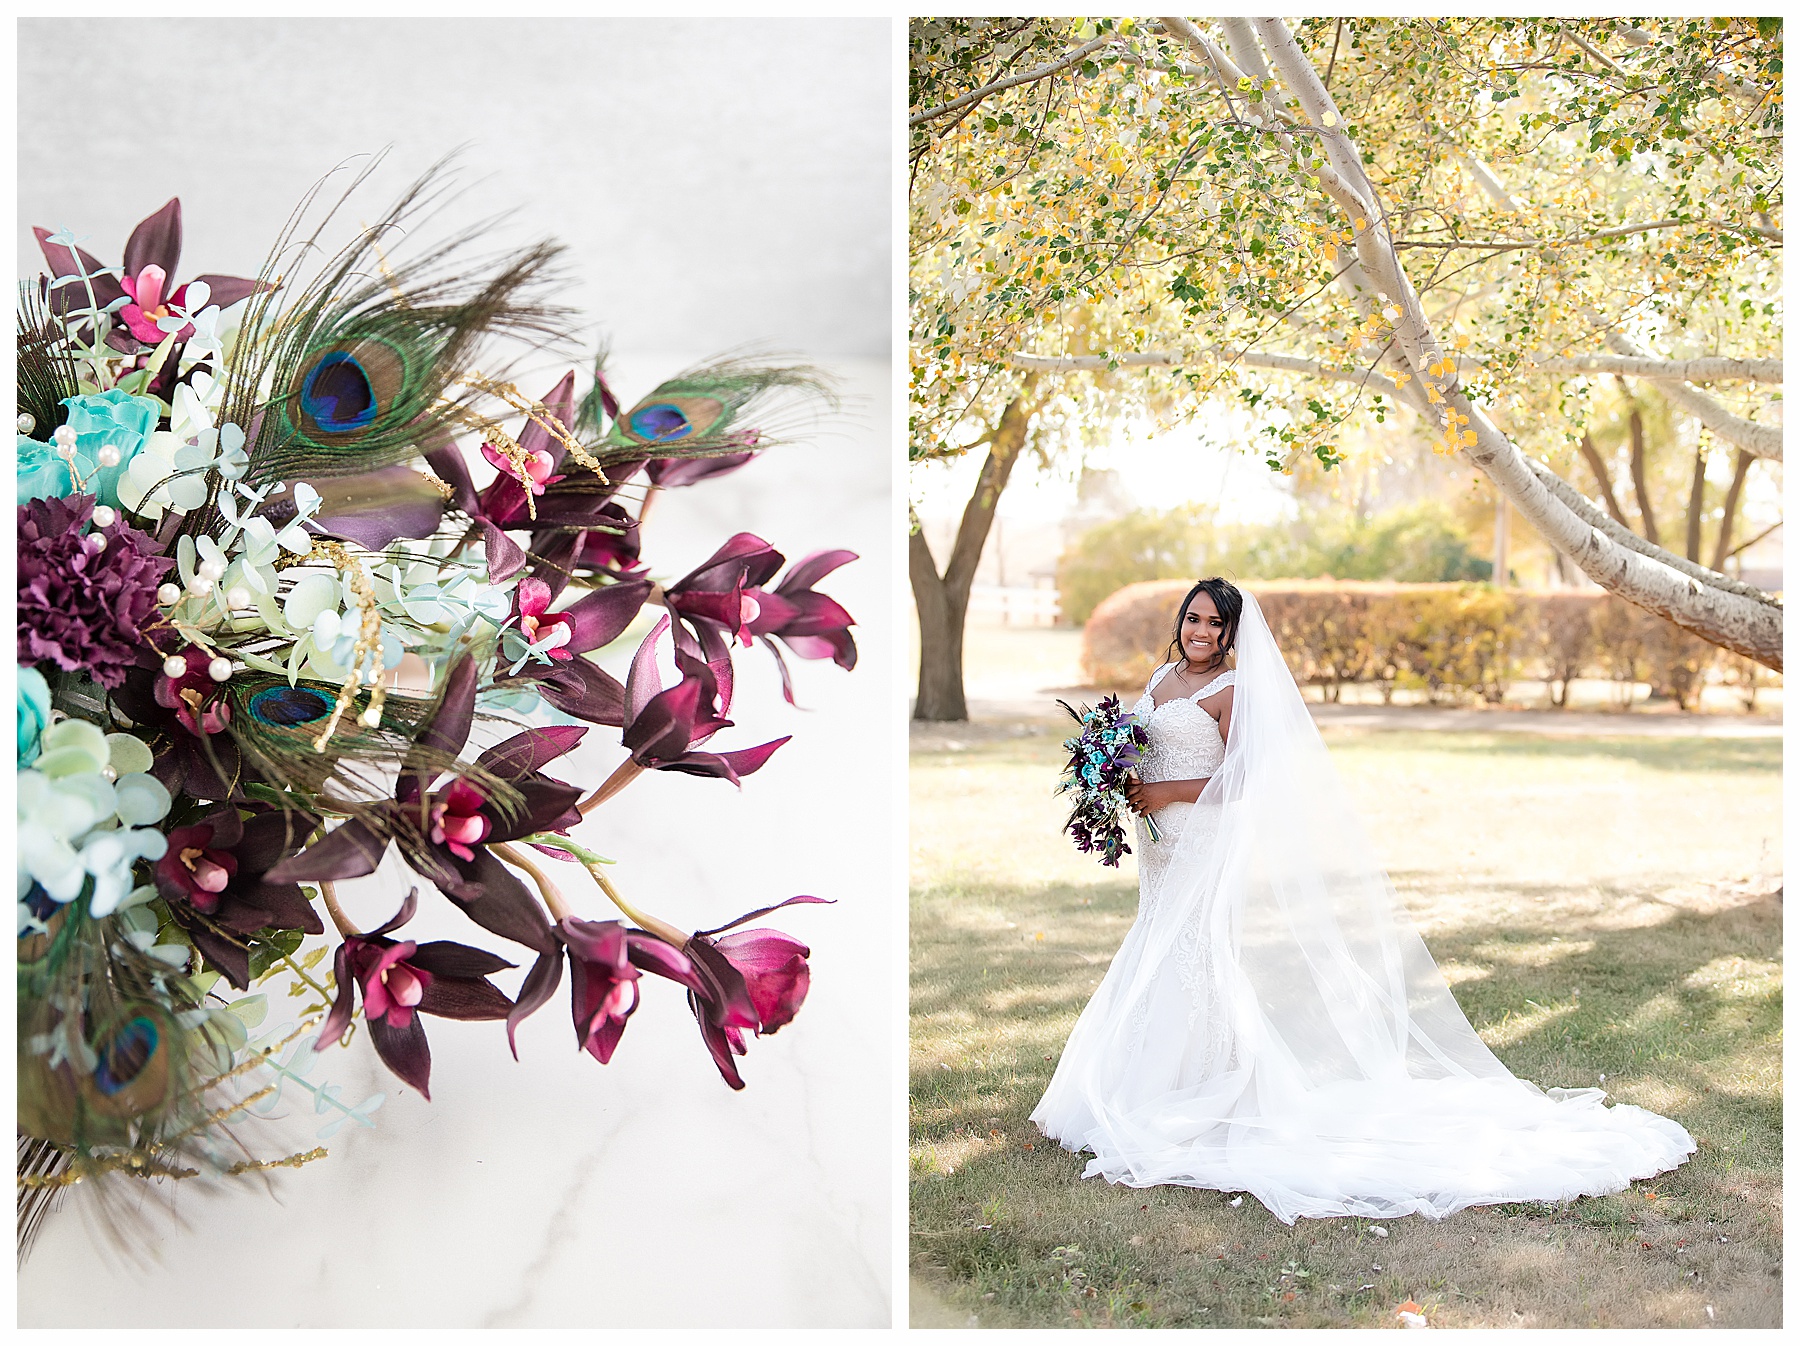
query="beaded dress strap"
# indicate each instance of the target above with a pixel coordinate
(1226, 679)
(1157, 677)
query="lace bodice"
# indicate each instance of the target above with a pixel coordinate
(1184, 739)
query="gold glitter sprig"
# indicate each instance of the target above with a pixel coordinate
(368, 642)
(541, 415)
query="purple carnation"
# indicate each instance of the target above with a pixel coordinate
(82, 607)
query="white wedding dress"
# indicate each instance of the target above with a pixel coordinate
(1273, 1023)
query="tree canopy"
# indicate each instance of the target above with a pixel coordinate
(1488, 221)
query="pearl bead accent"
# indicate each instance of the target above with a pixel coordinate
(175, 666)
(168, 595)
(219, 670)
(105, 516)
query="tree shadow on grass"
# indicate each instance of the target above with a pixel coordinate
(1660, 1014)
(1737, 756)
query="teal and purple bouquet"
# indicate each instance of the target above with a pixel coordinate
(1101, 761)
(264, 606)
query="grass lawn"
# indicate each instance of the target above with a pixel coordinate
(1605, 908)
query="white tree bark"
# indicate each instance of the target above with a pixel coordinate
(1703, 369)
(1751, 626)
(1764, 441)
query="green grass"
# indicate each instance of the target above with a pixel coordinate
(1601, 906)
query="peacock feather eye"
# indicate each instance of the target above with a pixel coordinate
(664, 420)
(127, 1056)
(285, 707)
(337, 394)
(131, 1076)
(352, 388)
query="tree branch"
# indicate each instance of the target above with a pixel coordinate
(1598, 236)
(1702, 369)
(974, 96)
(1751, 436)
(1579, 505)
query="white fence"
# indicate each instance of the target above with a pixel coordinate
(994, 605)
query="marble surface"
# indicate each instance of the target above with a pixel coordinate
(554, 1191)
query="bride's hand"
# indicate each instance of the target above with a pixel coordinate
(1140, 797)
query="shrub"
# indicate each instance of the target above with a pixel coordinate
(1452, 642)
(1422, 542)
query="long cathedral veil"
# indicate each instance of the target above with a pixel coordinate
(1274, 1023)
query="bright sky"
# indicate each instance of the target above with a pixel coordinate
(1206, 461)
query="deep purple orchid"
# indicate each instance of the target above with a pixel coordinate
(399, 980)
(808, 623)
(503, 504)
(717, 596)
(605, 962)
(186, 720)
(754, 981)
(151, 255)
(671, 472)
(724, 599)
(664, 726)
(572, 684)
(444, 831)
(214, 876)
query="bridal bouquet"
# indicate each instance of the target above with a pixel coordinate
(1101, 758)
(263, 607)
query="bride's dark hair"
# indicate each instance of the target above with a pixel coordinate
(1227, 600)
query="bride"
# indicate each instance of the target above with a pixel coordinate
(1272, 1023)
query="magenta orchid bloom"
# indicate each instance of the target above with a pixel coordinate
(751, 982)
(192, 694)
(151, 254)
(544, 630)
(188, 722)
(218, 868)
(400, 980)
(502, 505)
(148, 305)
(724, 599)
(574, 685)
(444, 832)
(605, 961)
(664, 726)
(719, 595)
(808, 623)
(537, 469)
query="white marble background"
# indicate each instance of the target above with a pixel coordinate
(555, 1192)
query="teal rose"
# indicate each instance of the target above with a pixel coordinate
(42, 474)
(112, 419)
(34, 713)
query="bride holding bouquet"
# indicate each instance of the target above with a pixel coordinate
(1273, 1023)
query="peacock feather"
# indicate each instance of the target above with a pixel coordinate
(351, 372)
(119, 1060)
(714, 409)
(44, 361)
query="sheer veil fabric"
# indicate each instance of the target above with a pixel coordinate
(1273, 1023)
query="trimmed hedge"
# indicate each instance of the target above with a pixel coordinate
(1453, 642)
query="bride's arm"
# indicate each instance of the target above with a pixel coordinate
(1149, 796)
(1223, 714)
